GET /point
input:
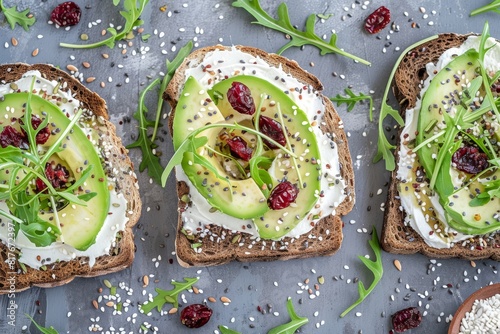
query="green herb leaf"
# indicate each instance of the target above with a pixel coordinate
(168, 296)
(351, 99)
(171, 68)
(293, 325)
(494, 6)
(324, 16)
(149, 160)
(43, 330)
(297, 37)
(491, 189)
(225, 330)
(187, 146)
(376, 267)
(14, 16)
(384, 148)
(131, 14)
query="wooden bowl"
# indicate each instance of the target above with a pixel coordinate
(483, 293)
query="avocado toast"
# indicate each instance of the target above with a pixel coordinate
(69, 158)
(443, 199)
(250, 188)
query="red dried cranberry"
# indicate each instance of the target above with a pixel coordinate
(10, 136)
(57, 176)
(195, 315)
(470, 160)
(406, 319)
(282, 196)
(66, 14)
(44, 134)
(273, 130)
(378, 20)
(240, 98)
(239, 149)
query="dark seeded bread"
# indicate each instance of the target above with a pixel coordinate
(396, 237)
(122, 255)
(226, 245)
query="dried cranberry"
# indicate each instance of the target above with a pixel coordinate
(282, 196)
(10, 136)
(470, 160)
(378, 20)
(240, 98)
(406, 319)
(66, 14)
(239, 149)
(57, 176)
(273, 130)
(195, 315)
(44, 134)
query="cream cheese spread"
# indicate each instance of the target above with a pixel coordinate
(408, 160)
(34, 256)
(229, 63)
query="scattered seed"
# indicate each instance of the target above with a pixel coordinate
(110, 304)
(90, 79)
(84, 37)
(145, 280)
(321, 280)
(13, 41)
(107, 283)
(196, 290)
(72, 68)
(94, 303)
(35, 52)
(225, 300)
(172, 310)
(397, 264)
(212, 299)
(86, 64)
(105, 55)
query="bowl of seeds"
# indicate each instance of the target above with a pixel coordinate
(480, 313)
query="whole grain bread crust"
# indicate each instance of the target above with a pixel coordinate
(122, 255)
(222, 245)
(396, 236)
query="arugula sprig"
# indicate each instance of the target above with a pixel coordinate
(376, 267)
(132, 13)
(168, 296)
(225, 330)
(171, 67)
(351, 99)
(494, 6)
(146, 143)
(43, 330)
(13, 16)
(297, 37)
(150, 160)
(384, 147)
(293, 325)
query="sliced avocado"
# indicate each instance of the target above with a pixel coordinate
(194, 110)
(444, 96)
(276, 223)
(79, 224)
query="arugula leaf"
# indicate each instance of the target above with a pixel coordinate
(351, 99)
(384, 148)
(43, 330)
(491, 189)
(168, 296)
(149, 160)
(171, 68)
(297, 37)
(376, 267)
(131, 14)
(190, 144)
(225, 330)
(293, 325)
(14, 16)
(494, 6)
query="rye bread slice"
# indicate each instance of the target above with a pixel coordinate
(220, 245)
(396, 236)
(121, 256)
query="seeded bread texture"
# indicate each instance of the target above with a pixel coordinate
(396, 236)
(221, 245)
(122, 255)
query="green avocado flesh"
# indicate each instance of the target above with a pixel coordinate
(447, 95)
(248, 200)
(79, 224)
